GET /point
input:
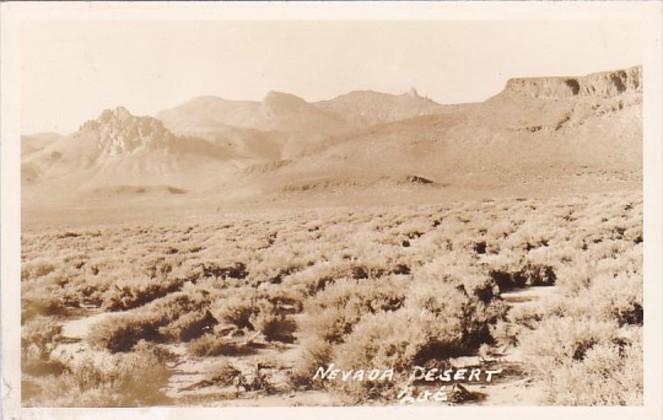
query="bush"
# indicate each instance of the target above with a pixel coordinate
(341, 305)
(559, 340)
(316, 353)
(138, 293)
(157, 351)
(128, 380)
(38, 339)
(274, 326)
(189, 326)
(505, 333)
(40, 335)
(121, 333)
(610, 374)
(586, 362)
(524, 275)
(438, 320)
(235, 310)
(42, 299)
(211, 344)
(381, 341)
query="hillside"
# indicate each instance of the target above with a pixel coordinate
(277, 112)
(365, 108)
(119, 149)
(37, 141)
(285, 126)
(534, 129)
(580, 133)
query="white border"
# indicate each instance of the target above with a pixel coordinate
(648, 14)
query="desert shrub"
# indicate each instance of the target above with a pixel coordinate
(522, 275)
(341, 305)
(316, 353)
(586, 362)
(128, 380)
(616, 298)
(274, 326)
(438, 320)
(461, 314)
(44, 299)
(38, 339)
(558, 340)
(529, 316)
(212, 344)
(175, 304)
(189, 326)
(461, 269)
(138, 293)
(314, 279)
(157, 351)
(497, 232)
(609, 248)
(264, 311)
(274, 269)
(538, 274)
(40, 334)
(530, 235)
(235, 270)
(222, 374)
(381, 341)
(236, 310)
(36, 268)
(634, 234)
(311, 280)
(572, 280)
(282, 298)
(505, 333)
(610, 374)
(121, 333)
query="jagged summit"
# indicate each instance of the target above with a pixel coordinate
(602, 84)
(116, 131)
(119, 113)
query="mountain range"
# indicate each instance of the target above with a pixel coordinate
(544, 129)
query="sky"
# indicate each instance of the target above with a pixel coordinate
(72, 70)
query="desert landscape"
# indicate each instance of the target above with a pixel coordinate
(231, 253)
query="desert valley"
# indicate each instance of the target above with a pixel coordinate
(221, 251)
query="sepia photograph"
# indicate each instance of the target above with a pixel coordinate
(244, 209)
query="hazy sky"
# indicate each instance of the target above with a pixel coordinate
(71, 71)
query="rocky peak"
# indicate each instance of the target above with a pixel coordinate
(119, 113)
(116, 131)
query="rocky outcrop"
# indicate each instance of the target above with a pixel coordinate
(604, 85)
(117, 131)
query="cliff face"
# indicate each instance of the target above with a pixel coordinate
(604, 84)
